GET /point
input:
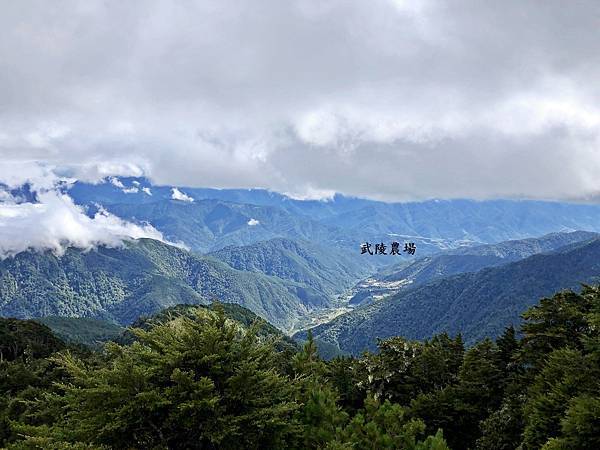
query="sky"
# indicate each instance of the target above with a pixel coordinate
(386, 99)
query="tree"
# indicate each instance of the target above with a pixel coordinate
(557, 322)
(307, 362)
(344, 373)
(458, 409)
(580, 427)
(566, 375)
(322, 418)
(562, 344)
(26, 339)
(404, 369)
(503, 429)
(384, 426)
(204, 383)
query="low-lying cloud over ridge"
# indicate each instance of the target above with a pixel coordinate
(176, 194)
(53, 222)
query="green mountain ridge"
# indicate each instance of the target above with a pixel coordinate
(500, 253)
(329, 270)
(478, 305)
(209, 225)
(141, 278)
(92, 333)
(391, 280)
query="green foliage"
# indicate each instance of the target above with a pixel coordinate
(82, 330)
(478, 305)
(346, 376)
(26, 376)
(385, 426)
(458, 408)
(502, 429)
(215, 377)
(403, 369)
(580, 427)
(26, 338)
(557, 322)
(140, 279)
(307, 362)
(561, 344)
(232, 311)
(321, 416)
(184, 384)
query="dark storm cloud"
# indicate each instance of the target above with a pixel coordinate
(389, 99)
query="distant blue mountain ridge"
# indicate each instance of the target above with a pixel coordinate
(294, 262)
(212, 219)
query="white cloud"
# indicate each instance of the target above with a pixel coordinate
(253, 222)
(176, 194)
(393, 99)
(17, 173)
(310, 193)
(56, 223)
(115, 181)
(127, 190)
(93, 171)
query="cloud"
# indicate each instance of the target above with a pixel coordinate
(126, 190)
(176, 194)
(53, 222)
(390, 99)
(116, 182)
(253, 222)
(56, 223)
(17, 173)
(308, 192)
(93, 171)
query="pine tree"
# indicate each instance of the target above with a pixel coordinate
(204, 383)
(307, 362)
(384, 426)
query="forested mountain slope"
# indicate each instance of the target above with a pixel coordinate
(141, 278)
(327, 269)
(391, 280)
(478, 305)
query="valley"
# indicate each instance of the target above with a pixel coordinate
(266, 286)
(296, 263)
(300, 225)
(338, 306)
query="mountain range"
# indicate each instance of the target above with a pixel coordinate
(294, 262)
(328, 270)
(392, 279)
(210, 219)
(141, 278)
(476, 304)
(93, 333)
